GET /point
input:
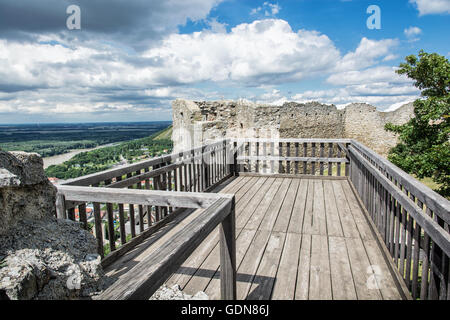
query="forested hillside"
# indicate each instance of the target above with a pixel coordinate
(105, 158)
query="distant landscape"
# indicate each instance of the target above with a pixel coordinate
(54, 139)
(88, 148)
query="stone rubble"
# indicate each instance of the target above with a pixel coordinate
(175, 293)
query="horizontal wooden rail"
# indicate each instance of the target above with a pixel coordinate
(139, 197)
(148, 275)
(96, 178)
(292, 156)
(292, 159)
(291, 140)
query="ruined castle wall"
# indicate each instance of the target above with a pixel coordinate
(196, 122)
(365, 124)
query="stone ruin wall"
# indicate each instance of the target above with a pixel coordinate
(195, 122)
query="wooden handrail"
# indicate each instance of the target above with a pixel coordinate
(412, 220)
(140, 197)
(124, 169)
(433, 200)
(431, 227)
(149, 274)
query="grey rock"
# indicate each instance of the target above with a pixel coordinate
(41, 257)
(64, 266)
(28, 167)
(8, 179)
(175, 293)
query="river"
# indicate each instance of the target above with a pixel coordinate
(60, 158)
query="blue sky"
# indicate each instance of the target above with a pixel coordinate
(131, 59)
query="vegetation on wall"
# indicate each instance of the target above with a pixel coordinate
(424, 147)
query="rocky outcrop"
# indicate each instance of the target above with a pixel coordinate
(196, 122)
(40, 257)
(25, 191)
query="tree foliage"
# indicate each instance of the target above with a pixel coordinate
(424, 147)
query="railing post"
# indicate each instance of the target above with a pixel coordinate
(228, 256)
(60, 206)
(235, 154)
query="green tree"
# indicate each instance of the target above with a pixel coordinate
(424, 147)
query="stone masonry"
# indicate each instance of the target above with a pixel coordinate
(195, 122)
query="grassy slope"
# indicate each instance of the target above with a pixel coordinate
(166, 134)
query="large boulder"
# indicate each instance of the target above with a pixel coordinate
(25, 191)
(41, 257)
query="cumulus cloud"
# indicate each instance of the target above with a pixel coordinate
(412, 33)
(269, 9)
(366, 54)
(359, 77)
(432, 6)
(55, 74)
(265, 51)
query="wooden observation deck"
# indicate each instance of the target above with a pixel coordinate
(265, 219)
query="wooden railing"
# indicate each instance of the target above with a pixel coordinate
(292, 156)
(195, 170)
(412, 220)
(149, 274)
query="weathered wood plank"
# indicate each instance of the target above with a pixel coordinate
(360, 263)
(382, 274)
(298, 212)
(348, 223)
(304, 267)
(264, 280)
(334, 227)
(341, 274)
(268, 221)
(284, 216)
(362, 226)
(315, 222)
(284, 288)
(320, 276)
(243, 242)
(261, 209)
(250, 263)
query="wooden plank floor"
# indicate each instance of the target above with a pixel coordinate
(295, 239)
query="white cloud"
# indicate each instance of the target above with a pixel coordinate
(432, 6)
(412, 33)
(367, 54)
(101, 77)
(369, 75)
(269, 9)
(344, 96)
(265, 51)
